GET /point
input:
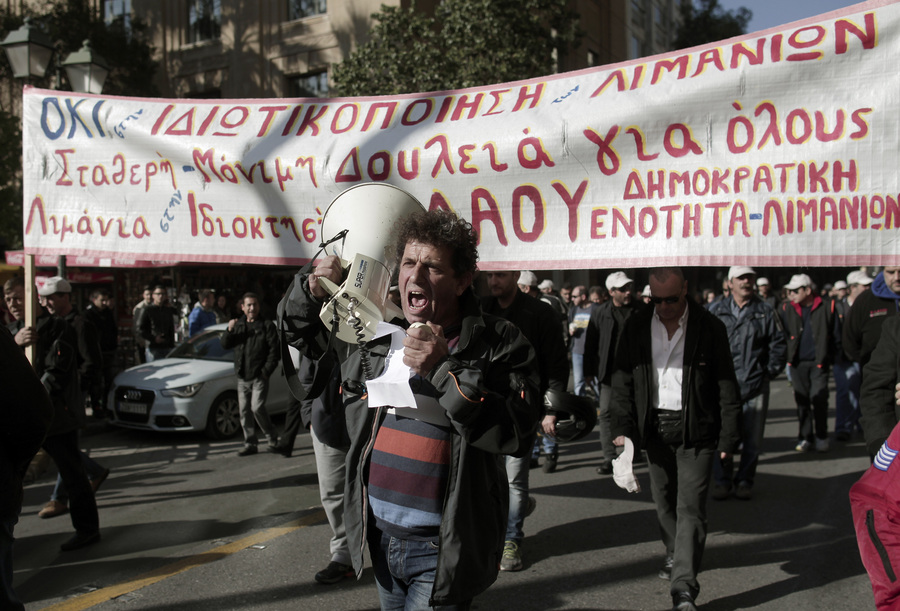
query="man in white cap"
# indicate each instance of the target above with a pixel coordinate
(601, 342)
(809, 323)
(645, 295)
(528, 284)
(758, 351)
(766, 294)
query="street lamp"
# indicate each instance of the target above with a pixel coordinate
(86, 70)
(30, 52)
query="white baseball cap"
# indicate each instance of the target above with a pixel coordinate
(527, 278)
(858, 277)
(617, 280)
(736, 271)
(798, 280)
(762, 281)
(646, 291)
(840, 284)
(546, 284)
(53, 285)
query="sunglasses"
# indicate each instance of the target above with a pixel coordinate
(669, 300)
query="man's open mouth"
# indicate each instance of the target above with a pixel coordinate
(417, 301)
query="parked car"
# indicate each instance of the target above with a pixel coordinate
(193, 389)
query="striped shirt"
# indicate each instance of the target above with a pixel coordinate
(410, 464)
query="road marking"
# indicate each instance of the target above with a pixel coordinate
(102, 595)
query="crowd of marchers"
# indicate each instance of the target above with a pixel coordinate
(490, 374)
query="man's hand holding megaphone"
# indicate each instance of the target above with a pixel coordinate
(328, 268)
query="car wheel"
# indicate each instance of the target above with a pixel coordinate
(224, 419)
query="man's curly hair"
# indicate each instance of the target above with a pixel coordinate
(440, 228)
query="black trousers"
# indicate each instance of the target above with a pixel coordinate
(810, 384)
(63, 449)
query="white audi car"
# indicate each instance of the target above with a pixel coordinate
(193, 389)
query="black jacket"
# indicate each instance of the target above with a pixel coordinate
(56, 364)
(822, 320)
(601, 340)
(862, 326)
(105, 323)
(158, 321)
(255, 346)
(488, 388)
(26, 412)
(542, 327)
(90, 357)
(709, 390)
(877, 404)
(757, 343)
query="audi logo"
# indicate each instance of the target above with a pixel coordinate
(133, 395)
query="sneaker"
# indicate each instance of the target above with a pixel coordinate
(744, 491)
(802, 446)
(53, 509)
(529, 508)
(549, 464)
(247, 451)
(334, 572)
(822, 445)
(666, 571)
(512, 557)
(720, 492)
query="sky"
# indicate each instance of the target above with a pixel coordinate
(771, 13)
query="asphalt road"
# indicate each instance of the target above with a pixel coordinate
(187, 524)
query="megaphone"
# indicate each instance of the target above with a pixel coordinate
(366, 215)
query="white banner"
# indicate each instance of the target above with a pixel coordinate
(776, 148)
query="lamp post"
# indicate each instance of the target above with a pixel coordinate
(31, 53)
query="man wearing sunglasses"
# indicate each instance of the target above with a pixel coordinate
(809, 326)
(675, 395)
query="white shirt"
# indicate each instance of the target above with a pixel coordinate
(668, 362)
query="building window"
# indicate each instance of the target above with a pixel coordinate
(637, 47)
(204, 20)
(298, 9)
(117, 12)
(309, 85)
(639, 12)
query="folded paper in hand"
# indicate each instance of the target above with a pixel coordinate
(391, 388)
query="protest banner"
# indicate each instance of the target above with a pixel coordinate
(775, 148)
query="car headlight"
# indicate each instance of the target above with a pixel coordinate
(183, 391)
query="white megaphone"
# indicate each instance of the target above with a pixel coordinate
(367, 213)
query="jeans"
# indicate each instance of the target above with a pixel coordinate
(252, 405)
(330, 465)
(404, 573)
(811, 394)
(752, 429)
(679, 484)
(847, 381)
(517, 476)
(91, 467)
(8, 598)
(578, 375)
(546, 444)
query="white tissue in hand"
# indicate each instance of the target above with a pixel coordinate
(623, 473)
